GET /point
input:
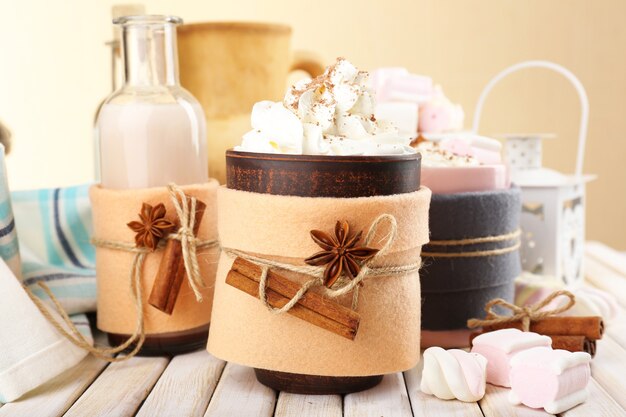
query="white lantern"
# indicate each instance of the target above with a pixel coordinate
(553, 204)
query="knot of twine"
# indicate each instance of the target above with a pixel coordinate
(343, 286)
(514, 235)
(525, 314)
(190, 245)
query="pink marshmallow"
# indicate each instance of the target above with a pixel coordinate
(500, 346)
(434, 118)
(465, 147)
(397, 84)
(457, 146)
(554, 380)
(449, 180)
(410, 87)
(379, 77)
(487, 157)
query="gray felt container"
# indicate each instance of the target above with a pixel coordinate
(457, 289)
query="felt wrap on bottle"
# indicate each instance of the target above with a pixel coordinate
(457, 289)
(278, 228)
(112, 210)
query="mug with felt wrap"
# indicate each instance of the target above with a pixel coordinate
(117, 309)
(472, 258)
(277, 228)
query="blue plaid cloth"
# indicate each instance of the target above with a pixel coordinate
(54, 228)
(9, 248)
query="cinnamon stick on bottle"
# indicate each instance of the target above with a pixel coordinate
(171, 273)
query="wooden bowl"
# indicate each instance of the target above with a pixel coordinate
(321, 176)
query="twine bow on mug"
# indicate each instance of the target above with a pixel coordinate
(525, 314)
(316, 273)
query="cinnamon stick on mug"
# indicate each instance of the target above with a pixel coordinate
(312, 307)
(171, 273)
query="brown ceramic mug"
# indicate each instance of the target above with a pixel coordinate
(229, 66)
(321, 176)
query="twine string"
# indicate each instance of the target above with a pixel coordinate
(316, 273)
(473, 241)
(188, 241)
(525, 314)
(189, 244)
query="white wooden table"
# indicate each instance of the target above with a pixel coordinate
(198, 384)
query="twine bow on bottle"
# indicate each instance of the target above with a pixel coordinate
(190, 245)
(526, 314)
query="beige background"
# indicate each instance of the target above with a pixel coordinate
(54, 70)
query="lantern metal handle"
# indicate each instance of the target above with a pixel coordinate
(582, 95)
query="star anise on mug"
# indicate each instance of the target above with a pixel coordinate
(152, 227)
(341, 255)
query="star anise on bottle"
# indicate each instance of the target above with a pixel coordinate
(152, 227)
(341, 255)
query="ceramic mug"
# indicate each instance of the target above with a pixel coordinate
(229, 66)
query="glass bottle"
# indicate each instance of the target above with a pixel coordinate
(151, 132)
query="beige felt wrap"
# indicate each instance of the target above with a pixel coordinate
(112, 210)
(277, 227)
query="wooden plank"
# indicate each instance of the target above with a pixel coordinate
(606, 279)
(609, 369)
(388, 399)
(428, 405)
(599, 403)
(185, 387)
(56, 396)
(616, 329)
(120, 389)
(496, 403)
(294, 405)
(239, 394)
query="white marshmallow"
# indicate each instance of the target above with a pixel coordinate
(403, 115)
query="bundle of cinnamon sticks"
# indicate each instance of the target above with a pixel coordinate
(576, 334)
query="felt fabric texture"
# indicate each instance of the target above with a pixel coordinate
(112, 210)
(54, 228)
(278, 227)
(457, 289)
(32, 351)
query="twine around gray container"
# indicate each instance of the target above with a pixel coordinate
(473, 256)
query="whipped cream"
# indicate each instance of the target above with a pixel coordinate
(332, 114)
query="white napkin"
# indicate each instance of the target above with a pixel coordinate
(32, 351)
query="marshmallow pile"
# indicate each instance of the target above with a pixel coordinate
(421, 110)
(332, 114)
(539, 376)
(413, 103)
